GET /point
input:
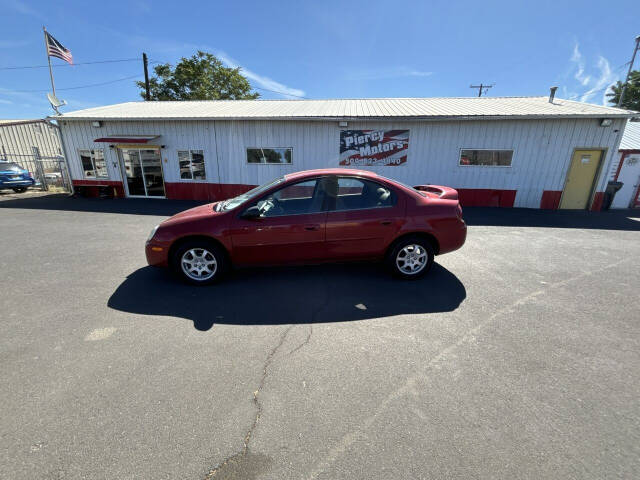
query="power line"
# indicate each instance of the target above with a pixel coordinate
(75, 64)
(589, 92)
(81, 86)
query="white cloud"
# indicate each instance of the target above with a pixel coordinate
(171, 47)
(264, 82)
(594, 81)
(6, 102)
(393, 72)
(21, 7)
(605, 79)
(577, 58)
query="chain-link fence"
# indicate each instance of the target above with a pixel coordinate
(50, 173)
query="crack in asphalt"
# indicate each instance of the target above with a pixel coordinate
(234, 462)
(304, 342)
(240, 464)
(314, 315)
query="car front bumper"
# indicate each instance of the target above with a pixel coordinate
(157, 254)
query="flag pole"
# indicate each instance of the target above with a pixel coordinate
(46, 46)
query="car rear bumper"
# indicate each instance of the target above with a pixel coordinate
(453, 238)
(157, 255)
(16, 183)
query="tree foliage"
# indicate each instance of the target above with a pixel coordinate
(631, 100)
(200, 77)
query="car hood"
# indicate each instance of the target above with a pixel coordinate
(192, 214)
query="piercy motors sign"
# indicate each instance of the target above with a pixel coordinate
(367, 148)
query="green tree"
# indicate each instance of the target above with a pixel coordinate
(631, 100)
(201, 77)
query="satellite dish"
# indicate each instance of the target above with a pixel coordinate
(56, 102)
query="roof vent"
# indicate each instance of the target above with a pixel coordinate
(552, 94)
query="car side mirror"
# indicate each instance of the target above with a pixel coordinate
(251, 212)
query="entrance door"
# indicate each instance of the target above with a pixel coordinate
(142, 168)
(581, 179)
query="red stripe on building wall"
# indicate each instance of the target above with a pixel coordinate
(486, 197)
(211, 192)
(551, 199)
(92, 187)
(596, 205)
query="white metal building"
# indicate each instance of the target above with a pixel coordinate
(626, 168)
(509, 151)
(34, 145)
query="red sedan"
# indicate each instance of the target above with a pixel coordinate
(310, 217)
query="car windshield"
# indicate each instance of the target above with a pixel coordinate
(235, 201)
(10, 167)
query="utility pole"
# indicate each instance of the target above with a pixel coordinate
(633, 57)
(145, 62)
(481, 88)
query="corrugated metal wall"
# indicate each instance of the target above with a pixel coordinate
(542, 150)
(19, 139)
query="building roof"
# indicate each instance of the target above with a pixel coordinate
(5, 123)
(631, 137)
(370, 108)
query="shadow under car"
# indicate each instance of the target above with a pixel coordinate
(289, 295)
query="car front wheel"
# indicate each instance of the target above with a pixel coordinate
(199, 262)
(20, 189)
(410, 258)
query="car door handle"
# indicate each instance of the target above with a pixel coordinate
(386, 222)
(312, 227)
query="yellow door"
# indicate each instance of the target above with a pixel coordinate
(580, 180)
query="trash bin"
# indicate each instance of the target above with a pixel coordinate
(609, 193)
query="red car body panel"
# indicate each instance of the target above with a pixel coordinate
(316, 237)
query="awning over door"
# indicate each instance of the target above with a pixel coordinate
(127, 139)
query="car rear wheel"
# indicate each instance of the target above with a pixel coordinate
(411, 257)
(199, 262)
(20, 189)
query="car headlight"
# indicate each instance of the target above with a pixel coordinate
(153, 232)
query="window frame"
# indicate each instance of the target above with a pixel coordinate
(267, 148)
(362, 179)
(204, 162)
(271, 192)
(512, 150)
(93, 163)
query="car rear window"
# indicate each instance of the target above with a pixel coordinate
(10, 167)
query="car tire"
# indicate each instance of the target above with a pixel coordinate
(410, 257)
(20, 189)
(199, 262)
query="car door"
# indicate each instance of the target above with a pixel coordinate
(290, 228)
(364, 216)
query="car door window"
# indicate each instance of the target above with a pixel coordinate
(359, 194)
(297, 199)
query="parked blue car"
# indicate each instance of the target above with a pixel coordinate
(15, 177)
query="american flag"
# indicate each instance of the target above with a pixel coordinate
(56, 49)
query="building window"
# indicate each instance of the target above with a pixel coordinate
(93, 163)
(191, 164)
(269, 155)
(486, 158)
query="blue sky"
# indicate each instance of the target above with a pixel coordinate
(322, 49)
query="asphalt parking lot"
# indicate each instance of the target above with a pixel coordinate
(517, 357)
